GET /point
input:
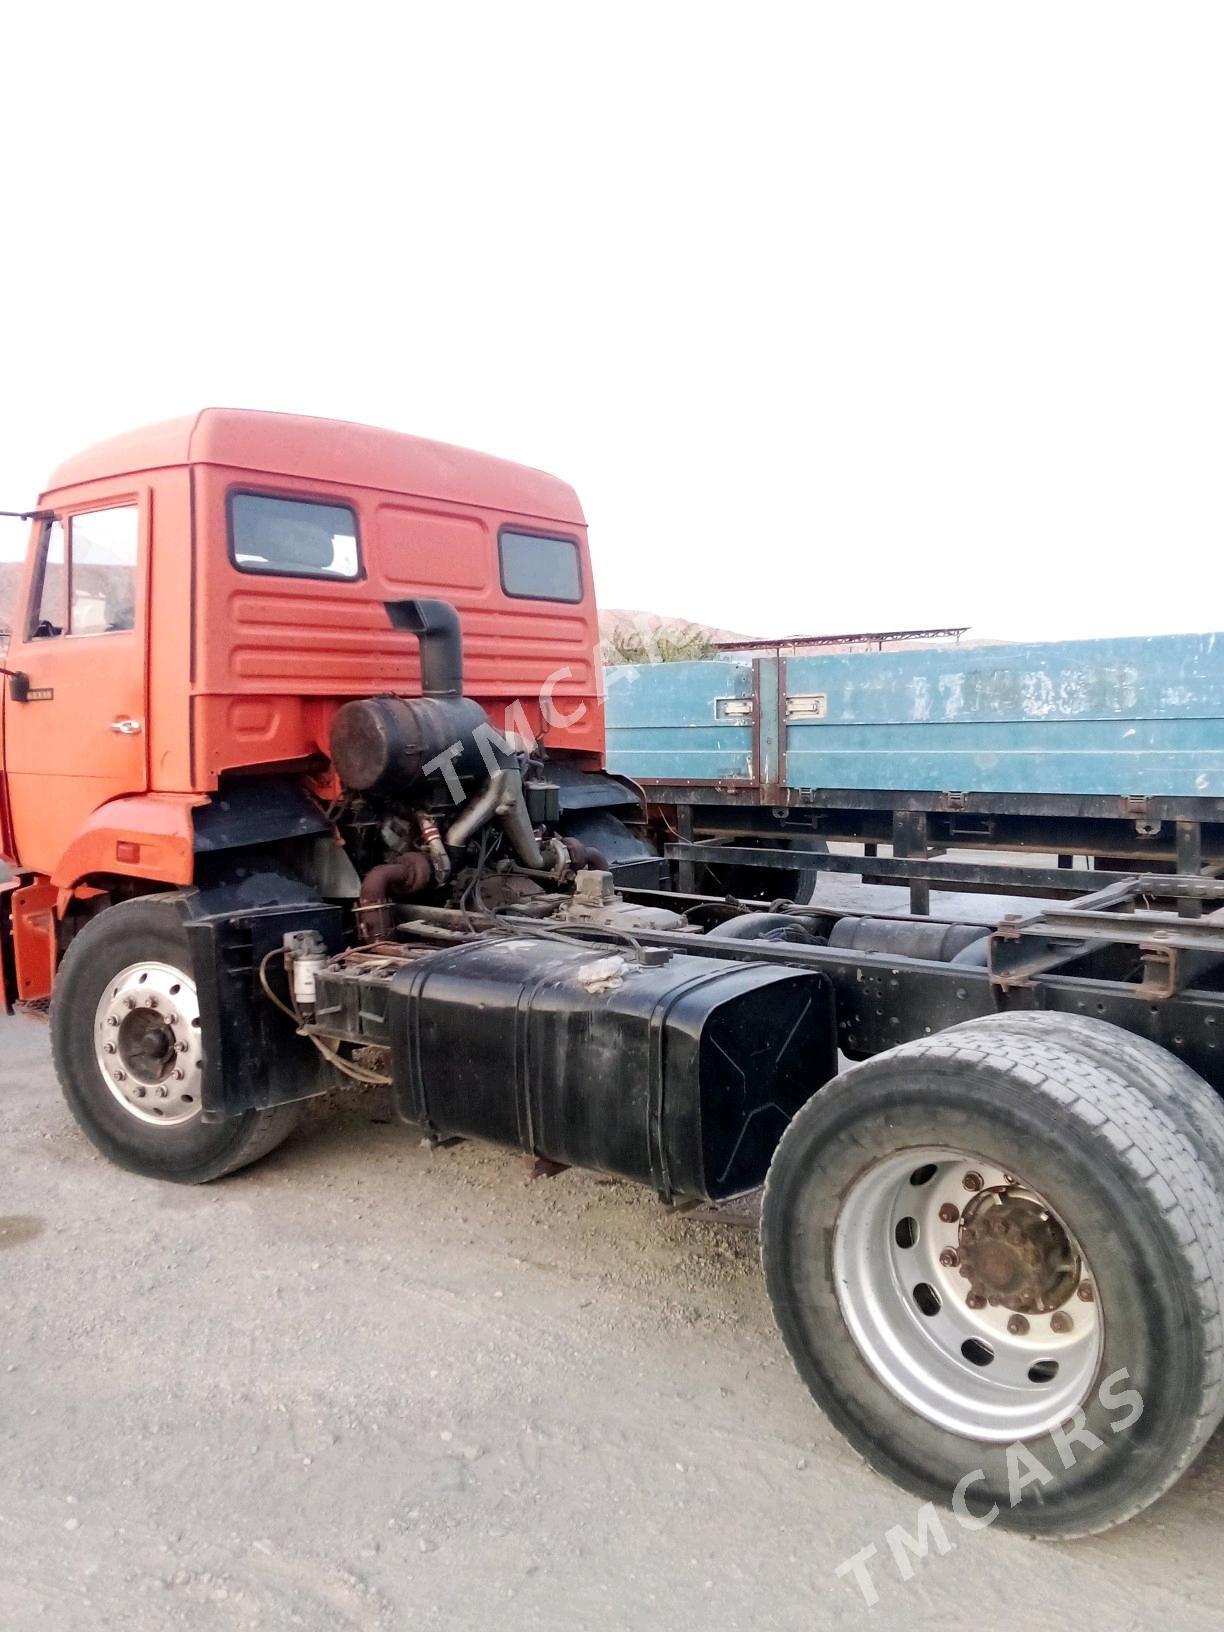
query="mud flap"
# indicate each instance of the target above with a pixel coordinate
(253, 1055)
(8, 969)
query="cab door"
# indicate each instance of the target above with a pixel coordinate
(79, 737)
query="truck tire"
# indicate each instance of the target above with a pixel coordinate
(1136, 1058)
(998, 1264)
(126, 1043)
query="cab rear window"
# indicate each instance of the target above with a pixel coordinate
(535, 567)
(294, 538)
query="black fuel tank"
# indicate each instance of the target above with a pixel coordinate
(681, 1075)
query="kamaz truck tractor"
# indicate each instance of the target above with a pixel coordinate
(303, 786)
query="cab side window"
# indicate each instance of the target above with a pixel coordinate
(293, 538)
(104, 570)
(87, 574)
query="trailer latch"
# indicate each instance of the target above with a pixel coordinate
(742, 709)
(809, 706)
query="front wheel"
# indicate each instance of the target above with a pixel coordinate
(128, 1050)
(998, 1266)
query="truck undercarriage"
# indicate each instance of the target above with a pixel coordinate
(977, 1188)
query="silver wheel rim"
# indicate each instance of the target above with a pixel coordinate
(147, 1043)
(942, 1307)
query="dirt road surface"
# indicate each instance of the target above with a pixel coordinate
(368, 1386)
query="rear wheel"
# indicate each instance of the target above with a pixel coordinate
(997, 1264)
(128, 1050)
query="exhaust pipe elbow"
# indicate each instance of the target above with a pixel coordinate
(516, 823)
(436, 626)
(502, 799)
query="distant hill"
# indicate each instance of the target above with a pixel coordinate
(647, 637)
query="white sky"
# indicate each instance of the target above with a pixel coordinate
(837, 316)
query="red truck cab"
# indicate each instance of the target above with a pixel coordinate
(200, 597)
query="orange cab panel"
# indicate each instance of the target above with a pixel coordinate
(272, 637)
(80, 737)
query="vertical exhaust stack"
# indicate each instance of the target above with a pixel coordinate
(436, 626)
(381, 745)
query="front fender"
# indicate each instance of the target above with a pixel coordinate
(148, 836)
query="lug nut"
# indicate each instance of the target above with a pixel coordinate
(949, 1258)
(1060, 1322)
(112, 1020)
(1084, 1292)
(181, 1048)
(972, 1181)
(1017, 1325)
(150, 1002)
(120, 1076)
(129, 1002)
(179, 1075)
(140, 1092)
(975, 1300)
(163, 1092)
(949, 1212)
(110, 1048)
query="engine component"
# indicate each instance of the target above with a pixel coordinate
(595, 902)
(397, 835)
(906, 937)
(585, 855)
(479, 810)
(390, 745)
(404, 877)
(766, 926)
(395, 746)
(502, 797)
(407, 876)
(434, 848)
(436, 626)
(501, 889)
(682, 1075)
(305, 954)
(543, 802)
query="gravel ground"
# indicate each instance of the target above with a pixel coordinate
(368, 1386)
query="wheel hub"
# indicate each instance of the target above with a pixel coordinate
(1015, 1253)
(147, 1043)
(951, 1275)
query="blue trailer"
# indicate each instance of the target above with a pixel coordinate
(1105, 749)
